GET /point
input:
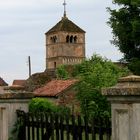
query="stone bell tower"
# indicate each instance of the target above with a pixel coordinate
(65, 43)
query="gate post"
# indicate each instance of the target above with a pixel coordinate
(11, 99)
(125, 108)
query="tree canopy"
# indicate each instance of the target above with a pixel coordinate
(125, 24)
(94, 74)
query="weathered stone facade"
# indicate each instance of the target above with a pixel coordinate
(125, 106)
(65, 44)
(11, 99)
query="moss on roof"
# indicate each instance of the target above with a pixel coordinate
(65, 25)
(37, 80)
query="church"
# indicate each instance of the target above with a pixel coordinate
(65, 43)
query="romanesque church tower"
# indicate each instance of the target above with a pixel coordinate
(65, 43)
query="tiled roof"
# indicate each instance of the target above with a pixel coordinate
(2, 82)
(54, 87)
(66, 25)
(19, 82)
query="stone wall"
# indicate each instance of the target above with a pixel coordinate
(125, 106)
(62, 52)
(11, 99)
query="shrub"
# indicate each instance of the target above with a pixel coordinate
(41, 105)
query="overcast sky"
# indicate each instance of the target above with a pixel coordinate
(24, 22)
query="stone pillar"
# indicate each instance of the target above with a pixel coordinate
(125, 107)
(11, 99)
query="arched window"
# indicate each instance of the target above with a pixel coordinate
(67, 39)
(54, 64)
(51, 39)
(71, 39)
(75, 39)
(54, 39)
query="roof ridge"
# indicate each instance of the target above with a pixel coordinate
(65, 25)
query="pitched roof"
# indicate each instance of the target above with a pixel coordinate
(2, 82)
(66, 25)
(19, 82)
(54, 87)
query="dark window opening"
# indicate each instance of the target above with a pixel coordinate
(54, 64)
(75, 39)
(67, 39)
(54, 39)
(71, 39)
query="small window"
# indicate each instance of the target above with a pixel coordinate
(75, 39)
(67, 39)
(71, 39)
(54, 64)
(54, 39)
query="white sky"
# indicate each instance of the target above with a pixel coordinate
(24, 22)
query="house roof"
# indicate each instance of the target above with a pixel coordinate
(65, 25)
(54, 88)
(2, 82)
(19, 82)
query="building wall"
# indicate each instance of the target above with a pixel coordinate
(59, 51)
(68, 99)
(8, 116)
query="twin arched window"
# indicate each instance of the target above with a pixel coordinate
(54, 39)
(71, 39)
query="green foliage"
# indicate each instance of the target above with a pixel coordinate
(134, 66)
(99, 72)
(16, 130)
(92, 102)
(94, 74)
(41, 105)
(63, 110)
(61, 72)
(125, 24)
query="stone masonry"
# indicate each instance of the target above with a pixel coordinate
(125, 106)
(11, 99)
(65, 44)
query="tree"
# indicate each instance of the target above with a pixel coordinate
(135, 66)
(125, 24)
(61, 72)
(94, 74)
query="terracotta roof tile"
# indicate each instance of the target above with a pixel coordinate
(54, 87)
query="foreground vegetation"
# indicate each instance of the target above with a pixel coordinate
(94, 74)
(125, 24)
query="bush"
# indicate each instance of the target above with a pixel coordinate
(63, 110)
(62, 73)
(94, 74)
(41, 105)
